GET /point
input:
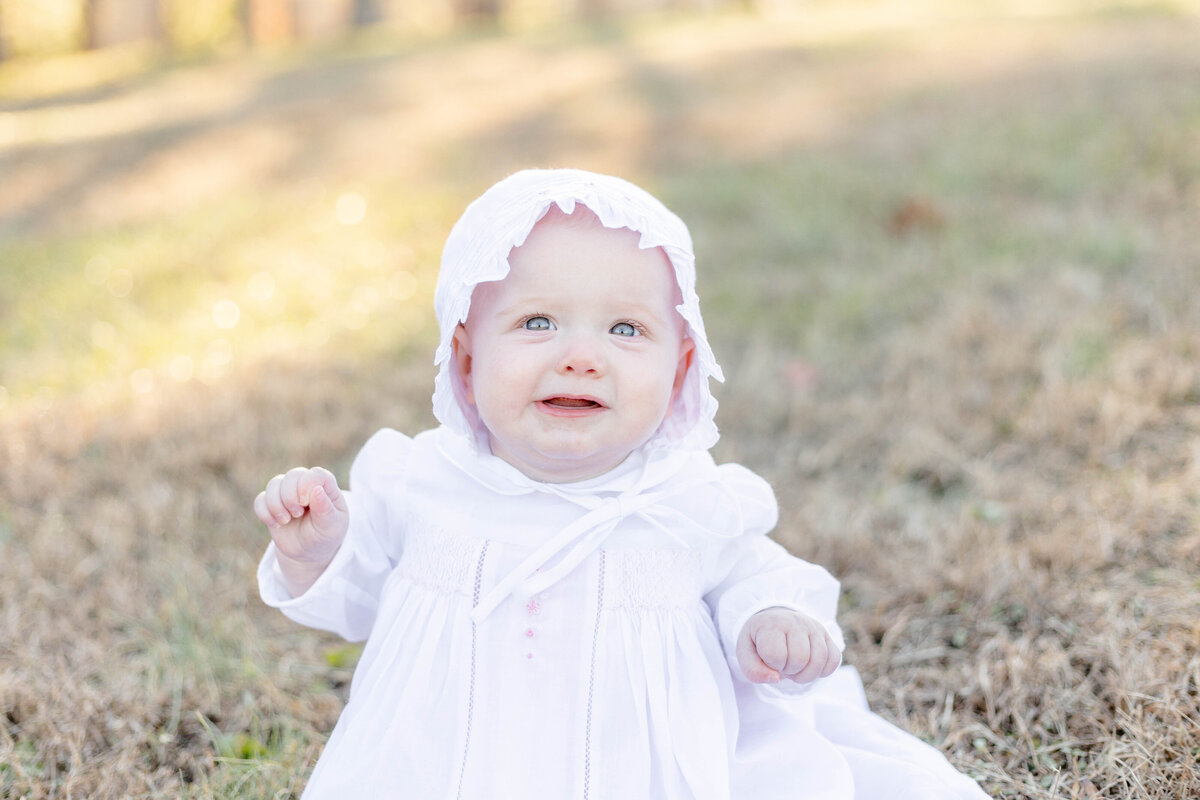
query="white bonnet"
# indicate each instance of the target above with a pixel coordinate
(477, 251)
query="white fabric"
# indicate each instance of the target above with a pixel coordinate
(477, 251)
(616, 680)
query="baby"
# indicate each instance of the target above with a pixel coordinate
(563, 596)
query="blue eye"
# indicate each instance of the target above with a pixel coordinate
(538, 324)
(623, 329)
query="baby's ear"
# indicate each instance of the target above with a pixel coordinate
(461, 345)
(687, 351)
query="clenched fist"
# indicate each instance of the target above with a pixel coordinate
(308, 518)
(779, 642)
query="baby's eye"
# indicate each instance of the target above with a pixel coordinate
(538, 324)
(624, 329)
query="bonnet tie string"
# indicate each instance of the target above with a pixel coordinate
(564, 551)
(561, 553)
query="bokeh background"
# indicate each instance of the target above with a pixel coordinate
(948, 258)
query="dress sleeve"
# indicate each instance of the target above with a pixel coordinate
(752, 573)
(345, 598)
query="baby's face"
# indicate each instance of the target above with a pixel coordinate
(573, 359)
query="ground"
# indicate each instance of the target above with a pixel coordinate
(947, 260)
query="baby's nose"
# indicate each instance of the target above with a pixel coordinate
(581, 355)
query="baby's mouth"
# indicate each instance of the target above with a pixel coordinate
(571, 402)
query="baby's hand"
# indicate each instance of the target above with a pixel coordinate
(780, 642)
(308, 519)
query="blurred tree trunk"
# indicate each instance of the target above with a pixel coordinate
(156, 12)
(110, 22)
(479, 10)
(91, 37)
(366, 12)
(268, 22)
(594, 9)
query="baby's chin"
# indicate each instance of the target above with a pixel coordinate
(563, 467)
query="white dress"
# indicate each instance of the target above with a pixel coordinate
(553, 642)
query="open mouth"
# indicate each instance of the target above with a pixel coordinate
(572, 402)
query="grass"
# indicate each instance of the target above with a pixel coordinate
(183, 297)
(948, 267)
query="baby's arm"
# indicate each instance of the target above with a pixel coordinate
(308, 517)
(779, 642)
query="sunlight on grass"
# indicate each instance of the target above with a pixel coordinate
(33, 78)
(322, 266)
(187, 298)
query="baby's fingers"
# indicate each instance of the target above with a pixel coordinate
(823, 657)
(327, 519)
(289, 491)
(800, 653)
(752, 665)
(771, 644)
(323, 479)
(810, 652)
(268, 505)
(262, 512)
(834, 658)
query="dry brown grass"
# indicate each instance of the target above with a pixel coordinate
(985, 418)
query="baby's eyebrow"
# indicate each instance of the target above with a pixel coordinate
(641, 311)
(525, 305)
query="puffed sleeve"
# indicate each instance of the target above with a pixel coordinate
(345, 598)
(751, 573)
